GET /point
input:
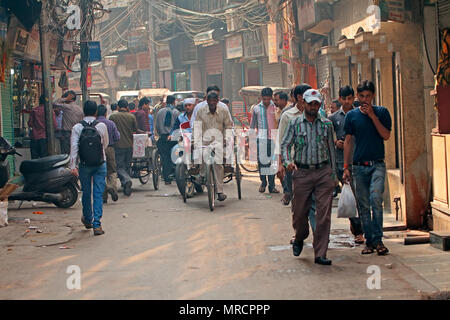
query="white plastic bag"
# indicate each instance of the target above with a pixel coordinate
(347, 203)
(3, 213)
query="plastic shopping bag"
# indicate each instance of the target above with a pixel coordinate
(347, 203)
(3, 213)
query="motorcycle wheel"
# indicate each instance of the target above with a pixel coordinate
(70, 197)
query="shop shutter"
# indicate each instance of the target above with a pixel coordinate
(214, 59)
(444, 13)
(272, 74)
(323, 70)
(7, 115)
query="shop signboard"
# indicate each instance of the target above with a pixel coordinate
(164, 58)
(272, 42)
(234, 47)
(95, 54)
(253, 44)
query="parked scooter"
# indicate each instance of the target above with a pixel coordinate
(47, 179)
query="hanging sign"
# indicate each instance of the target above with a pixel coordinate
(272, 42)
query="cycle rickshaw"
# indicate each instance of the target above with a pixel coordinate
(189, 178)
(147, 163)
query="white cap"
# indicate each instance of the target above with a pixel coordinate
(189, 101)
(312, 95)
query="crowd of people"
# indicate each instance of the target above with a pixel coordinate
(316, 152)
(310, 151)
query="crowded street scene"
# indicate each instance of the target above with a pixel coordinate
(237, 150)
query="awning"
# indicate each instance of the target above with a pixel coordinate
(160, 92)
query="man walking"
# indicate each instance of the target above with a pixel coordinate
(265, 124)
(165, 120)
(72, 114)
(142, 115)
(111, 168)
(38, 134)
(314, 171)
(88, 143)
(371, 126)
(280, 99)
(123, 149)
(212, 122)
(293, 113)
(346, 99)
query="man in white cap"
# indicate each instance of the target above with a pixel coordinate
(183, 119)
(314, 171)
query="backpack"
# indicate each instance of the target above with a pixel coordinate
(90, 146)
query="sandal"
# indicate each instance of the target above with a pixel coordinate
(367, 250)
(382, 250)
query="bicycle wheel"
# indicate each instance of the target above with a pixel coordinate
(155, 167)
(211, 186)
(249, 168)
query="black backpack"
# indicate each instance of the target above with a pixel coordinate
(90, 146)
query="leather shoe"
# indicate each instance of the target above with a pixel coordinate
(262, 189)
(297, 247)
(98, 231)
(323, 261)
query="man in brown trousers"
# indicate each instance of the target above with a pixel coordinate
(314, 171)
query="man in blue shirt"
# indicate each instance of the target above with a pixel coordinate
(370, 126)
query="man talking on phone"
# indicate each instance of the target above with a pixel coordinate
(371, 126)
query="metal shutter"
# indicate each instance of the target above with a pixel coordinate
(444, 13)
(272, 74)
(214, 59)
(7, 115)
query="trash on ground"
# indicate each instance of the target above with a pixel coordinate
(389, 265)
(34, 204)
(38, 212)
(65, 247)
(27, 221)
(38, 231)
(124, 215)
(32, 227)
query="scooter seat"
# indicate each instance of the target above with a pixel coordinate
(43, 164)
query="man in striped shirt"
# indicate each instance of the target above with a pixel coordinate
(314, 171)
(264, 122)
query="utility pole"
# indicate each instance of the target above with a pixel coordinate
(84, 61)
(154, 65)
(45, 58)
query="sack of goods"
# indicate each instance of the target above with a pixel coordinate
(140, 142)
(347, 203)
(90, 145)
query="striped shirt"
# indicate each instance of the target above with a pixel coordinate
(313, 142)
(263, 119)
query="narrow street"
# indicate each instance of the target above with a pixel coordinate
(157, 247)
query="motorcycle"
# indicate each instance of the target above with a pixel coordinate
(47, 179)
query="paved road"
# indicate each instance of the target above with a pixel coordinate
(166, 249)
